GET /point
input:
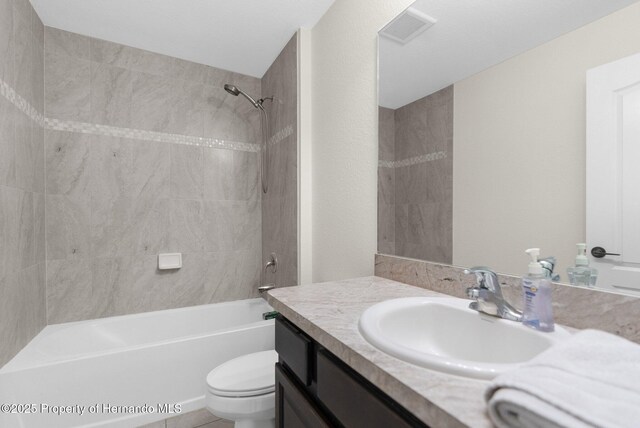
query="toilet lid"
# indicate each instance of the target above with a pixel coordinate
(245, 376)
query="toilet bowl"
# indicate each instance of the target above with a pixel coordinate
(243, 390)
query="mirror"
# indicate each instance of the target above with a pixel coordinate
(483, 130)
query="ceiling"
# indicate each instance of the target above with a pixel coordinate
(472, 35)
(244, 36)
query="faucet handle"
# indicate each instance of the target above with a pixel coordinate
(479, 269)
(272, 263)
(480, 272)
(485, 277)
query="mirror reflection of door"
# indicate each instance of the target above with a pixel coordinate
(613, 172)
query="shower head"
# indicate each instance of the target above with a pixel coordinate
(233, 90)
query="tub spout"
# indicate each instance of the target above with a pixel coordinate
(267, 287)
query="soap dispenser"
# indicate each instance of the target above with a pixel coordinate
(536, 289)
(582, 274)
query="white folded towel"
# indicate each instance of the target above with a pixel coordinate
(591, 380)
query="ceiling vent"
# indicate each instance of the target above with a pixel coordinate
(407, 25)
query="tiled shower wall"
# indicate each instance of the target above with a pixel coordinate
(146, 154)
(22, 215)
(415, 178)
(386, 181)
(279, 214)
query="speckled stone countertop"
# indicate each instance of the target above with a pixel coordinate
(329, 313)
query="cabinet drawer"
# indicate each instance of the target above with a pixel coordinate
(294, 349)
(293, 408)
(353, 403)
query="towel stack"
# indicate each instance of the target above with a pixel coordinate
(591, 380)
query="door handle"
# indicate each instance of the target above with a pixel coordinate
(599, 252)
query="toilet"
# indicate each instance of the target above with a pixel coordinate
(243, 390)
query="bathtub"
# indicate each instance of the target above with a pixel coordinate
(128, 370)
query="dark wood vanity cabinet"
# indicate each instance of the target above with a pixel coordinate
(315, 389)
(293, 408)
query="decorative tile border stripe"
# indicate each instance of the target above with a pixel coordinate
(22, 104)
(281, 135)
(113, 131)
(429, 157)
(139, 134)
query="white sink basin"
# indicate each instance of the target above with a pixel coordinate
(444, 334)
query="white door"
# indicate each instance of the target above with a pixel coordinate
(613, 172)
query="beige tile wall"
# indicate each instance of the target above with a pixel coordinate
(279, 213)
(386, 182)
(114, 203)
(22, 240)
(415, 196)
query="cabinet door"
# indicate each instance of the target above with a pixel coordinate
(293, 408)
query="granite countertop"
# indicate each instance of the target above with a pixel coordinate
(329, 313)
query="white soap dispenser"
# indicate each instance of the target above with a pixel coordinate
(536, 289)
(582, 274)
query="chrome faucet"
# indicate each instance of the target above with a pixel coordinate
(548, 264)
(487, 295)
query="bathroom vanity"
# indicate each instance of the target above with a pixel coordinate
(314, 388)
(328, 375)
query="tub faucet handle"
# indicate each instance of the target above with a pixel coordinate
(272, 263)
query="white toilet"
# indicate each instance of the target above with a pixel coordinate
(243, 390)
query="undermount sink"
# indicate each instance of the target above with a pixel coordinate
(443, 334)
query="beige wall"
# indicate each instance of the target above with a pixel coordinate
(519, 147)
(344, 136)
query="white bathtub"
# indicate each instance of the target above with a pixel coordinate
(148, 360)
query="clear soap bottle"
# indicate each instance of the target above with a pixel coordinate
(582, 274)
(536, 289)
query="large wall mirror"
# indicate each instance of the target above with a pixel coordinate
(483, 135)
